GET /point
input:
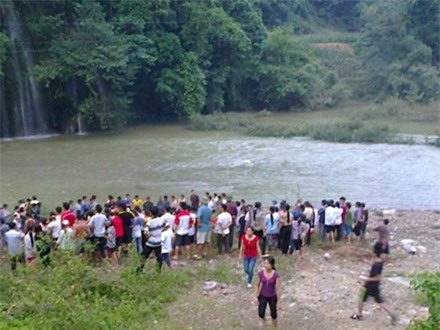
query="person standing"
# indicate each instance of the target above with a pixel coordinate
(182, 224)
(269, 290)
(30, 247)
(299, 231)
(224, 220)
(153, 233)
(204, 216)
(272, 222)
(167, 237)
(14, 241)
(97, 228)
(260, 226)
(285, 228)
(249, 251)
(195, 200)
(127, 221)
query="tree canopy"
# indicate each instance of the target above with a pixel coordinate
(122, 61)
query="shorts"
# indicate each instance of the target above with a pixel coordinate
(128, 237)
(357, 229)
(379, 248)
(203, 237)
(297, 243)
(181, 240)
(119, 241)
(109, 250)
(370, 291)
(99, 243)
(330, 229)
(191, 239)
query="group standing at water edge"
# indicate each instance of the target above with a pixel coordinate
(174, 227)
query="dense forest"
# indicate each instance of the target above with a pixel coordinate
(104, 64)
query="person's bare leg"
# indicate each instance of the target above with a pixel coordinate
(275, 324)
(188, 251)
(200, 249)
(208, 253)
(360, 307)
(176, 254)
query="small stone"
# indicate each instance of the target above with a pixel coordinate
(327, 256)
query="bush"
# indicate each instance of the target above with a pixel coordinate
(75, 295)
(428, 285)
(352, 131)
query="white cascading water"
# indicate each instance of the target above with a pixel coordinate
(27, 106)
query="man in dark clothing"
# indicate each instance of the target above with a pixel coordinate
(127, 221)
(371, 289)
(231, 208)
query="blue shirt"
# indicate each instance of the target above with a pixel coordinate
(205, 215)
(272, 228)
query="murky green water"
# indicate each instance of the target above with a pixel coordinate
(171, 160)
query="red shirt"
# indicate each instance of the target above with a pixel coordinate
(117, 223)
(250, 246)
(344, 212)
(69, 216)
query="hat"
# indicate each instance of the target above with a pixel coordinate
(65, 222)
(34, 202)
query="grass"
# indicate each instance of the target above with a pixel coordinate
(355, 122)
(330, 36)
(71, 294)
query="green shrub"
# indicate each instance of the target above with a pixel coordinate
(428, 285)
(352, 131)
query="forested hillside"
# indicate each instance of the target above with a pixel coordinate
(110, 63)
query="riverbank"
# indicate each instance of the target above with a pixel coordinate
(393, 122)
(320, 290)
(316, 290)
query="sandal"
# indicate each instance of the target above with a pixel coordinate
(356, 317)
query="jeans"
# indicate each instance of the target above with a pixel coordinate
(147, 252)
(249, 265)
(272, 240)
(321, 231)
(347, 229)
(166, 259)
(138, 241)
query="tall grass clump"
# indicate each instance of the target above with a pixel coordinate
(353, 131)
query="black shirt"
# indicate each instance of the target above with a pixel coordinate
(376, 269)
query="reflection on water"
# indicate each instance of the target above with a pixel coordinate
(171, 160)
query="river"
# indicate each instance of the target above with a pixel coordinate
(168, 159)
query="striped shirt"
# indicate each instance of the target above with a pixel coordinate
(154, 228)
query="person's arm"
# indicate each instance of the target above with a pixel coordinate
(258, 288)
(373, 279)
(240, 252)
(263, 225)
(278, 290)
(259, 250)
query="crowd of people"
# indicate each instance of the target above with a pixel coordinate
(174, 228)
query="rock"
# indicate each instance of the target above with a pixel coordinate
(389, 212)
(327, 256)
(403, 321)
(421, 248)
(409, 245)
(210, 286)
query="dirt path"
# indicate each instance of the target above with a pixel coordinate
(319, 292)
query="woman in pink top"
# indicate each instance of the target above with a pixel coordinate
(268, 290)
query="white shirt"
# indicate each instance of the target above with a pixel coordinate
(223, 219)
(330, 216)
(55, 227)
(65, 241)
(30, 250)
(168, 218)
(338, 216)
(192, 229)
(97, 224)
(167, 240)
(14, 239)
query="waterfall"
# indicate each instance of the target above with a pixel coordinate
(23, 103)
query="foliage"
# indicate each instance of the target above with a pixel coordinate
(396, 61)
(73, 294)
(428, 284)
(352, 131)
(126, 61)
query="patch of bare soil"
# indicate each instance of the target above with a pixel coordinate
(322, 292)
